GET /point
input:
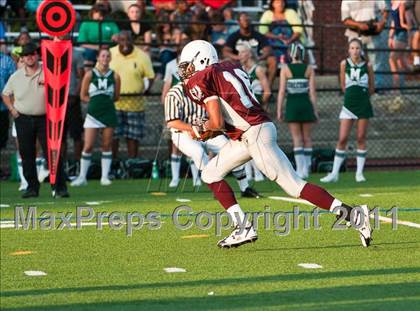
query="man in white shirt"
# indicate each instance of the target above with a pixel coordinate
(366, 19)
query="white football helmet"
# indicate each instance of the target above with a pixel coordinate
(196, 56)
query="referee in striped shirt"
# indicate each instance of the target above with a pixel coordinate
(180, 113)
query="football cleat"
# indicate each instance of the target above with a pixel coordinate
(23, 185)
(79, 181)
(238, 238)
(174, 183)
(360, 178)
(105, 181)
(329, 178)
(250, 193)
(365, 230)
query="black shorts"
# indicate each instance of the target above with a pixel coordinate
(74, 120)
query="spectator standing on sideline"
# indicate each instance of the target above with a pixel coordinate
(300, 114)
(96, 31)
(357, 83)
(136, 72)
(7, 68)
(256, 40)
(367, 19)
(283, 28)
(24, 96)
(416, 36)
(398, 39)
(100, 88)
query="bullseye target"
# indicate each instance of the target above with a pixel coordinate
(55, 17)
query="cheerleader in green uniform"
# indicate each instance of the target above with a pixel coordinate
(357, 83)
(300, 113)
(100, 89)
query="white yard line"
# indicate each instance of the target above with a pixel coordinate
(9, 224)
(310, 265)
(381, 218)
(399, 222)
(287, 199)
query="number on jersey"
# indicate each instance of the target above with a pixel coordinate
(234, 80)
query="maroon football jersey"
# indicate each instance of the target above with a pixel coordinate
(229, 83)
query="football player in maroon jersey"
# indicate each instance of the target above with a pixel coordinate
(225, 92)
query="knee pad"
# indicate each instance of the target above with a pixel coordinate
(292, 187)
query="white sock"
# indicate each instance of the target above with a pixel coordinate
(194, 172)
(360, 159)
(39, 164)
(106, 162)
(299, 160)
(175, 166)
(334, 204)
(236, 214)
(339, 157)
(20, 169)
(416, 60)
(84, 164)
(308, 159)
(248, 170)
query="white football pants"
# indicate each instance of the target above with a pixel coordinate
(259, 143)
(197, 150)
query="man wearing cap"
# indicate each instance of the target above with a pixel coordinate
(24, 96)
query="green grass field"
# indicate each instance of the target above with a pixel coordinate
(91, 269)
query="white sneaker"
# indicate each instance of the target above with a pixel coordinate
(43, 173)
(174, 183)
(365, 231)
(79, 182)
(23, 185)
(238, 238)
(360, 177)
(329, 178)
(105, 181)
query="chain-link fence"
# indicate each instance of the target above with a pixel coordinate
(394, 132)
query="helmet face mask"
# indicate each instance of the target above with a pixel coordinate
(196, 56)
(186, 70)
